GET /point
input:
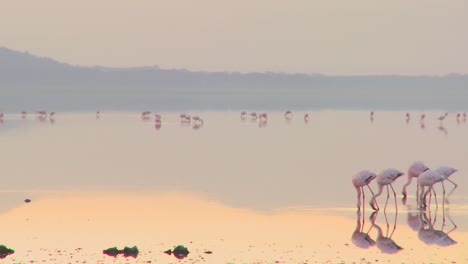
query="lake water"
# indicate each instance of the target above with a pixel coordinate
(250, 192)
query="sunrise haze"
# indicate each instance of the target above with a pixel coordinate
(330, 37)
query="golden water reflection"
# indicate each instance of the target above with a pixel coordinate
(78, 225)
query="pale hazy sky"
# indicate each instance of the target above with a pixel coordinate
(308, 36)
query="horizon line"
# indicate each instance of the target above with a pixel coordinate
(155, 66)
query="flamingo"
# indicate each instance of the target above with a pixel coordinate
(442, 117)
(253, 115)
(414, 171)
(431, 177)
(157, 118)
(458, 118)
(407, 117)
(372, 115)
(385, 178)
(263, 116)
(361, 179)
(51, 115)
(243, 113)
(464, 117)
(197, 120)
(306, 117)
(97, 114)
(423, 116)
(447, 172)
(23, 113)
(288, 114)
(182, 117)
(1, 116)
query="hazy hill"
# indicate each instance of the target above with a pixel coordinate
(31, 82)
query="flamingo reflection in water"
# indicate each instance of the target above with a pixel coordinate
(385, 243)
(386, 178)
(360, 238)
(431, 236)
(415, 169)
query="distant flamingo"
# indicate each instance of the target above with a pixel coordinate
(464, 117)
(385, 178)
(243, 113)
(423, 116)
(288, 114)
(1, 116)
(414, 171)
(145, 114)
(182, 117)
(197, 120)
(263, 116)
(442, 117)
(361, 179)
(306, 117)
(51, 115)
(372, 115)
(458, 117)
(407, 117)
(253, 115)
(157, 118)
(98, 113)
(23, 113)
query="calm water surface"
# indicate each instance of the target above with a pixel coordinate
(250, 192)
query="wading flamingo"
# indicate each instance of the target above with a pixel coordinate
(442, 117)
(243, 113)
(414, 171)
(385, 178)
(288, 114)
(361, 179)
(431, 177)
(306, 117)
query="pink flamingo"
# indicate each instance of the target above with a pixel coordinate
(182, 117)
(263, 116)
(98, 113)
(431, 177)
(197, 120)
(442, 117)
(253, 115)
(407, 117)
(288, 114)
(1, 116)
(423, 116)
(464, 117)
(23, 113)
(385, 178)
(414, 171)
(242, 115)
(306, 117)
(51, 115)
(157, 118)
(361, 179)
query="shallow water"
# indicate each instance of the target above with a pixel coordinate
(249, 192)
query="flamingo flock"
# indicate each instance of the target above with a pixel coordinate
(426, 178)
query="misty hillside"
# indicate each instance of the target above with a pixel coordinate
(31, 82)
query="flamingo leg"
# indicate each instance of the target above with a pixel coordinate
(454, 186)
(386, 202)
(394, 195)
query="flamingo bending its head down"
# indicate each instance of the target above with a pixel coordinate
(361, 179)
(385, 178)
(414, 171)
